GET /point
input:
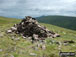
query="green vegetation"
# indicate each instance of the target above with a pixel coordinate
(62, 21)
(23, 47)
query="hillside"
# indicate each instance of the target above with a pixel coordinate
(20, 47)
(61, 21)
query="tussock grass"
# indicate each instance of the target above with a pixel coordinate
(23, 47)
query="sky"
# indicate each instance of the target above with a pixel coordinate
(37, 8)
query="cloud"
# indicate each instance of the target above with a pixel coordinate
(35, 8)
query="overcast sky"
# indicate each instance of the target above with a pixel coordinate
(36, 8)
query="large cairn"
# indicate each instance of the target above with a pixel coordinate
(29, 27)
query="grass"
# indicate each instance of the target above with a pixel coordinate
(23, 47)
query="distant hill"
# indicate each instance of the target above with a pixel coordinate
(62, 21)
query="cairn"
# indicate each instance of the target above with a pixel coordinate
(29, 27)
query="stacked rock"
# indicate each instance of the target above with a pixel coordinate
(29, 27)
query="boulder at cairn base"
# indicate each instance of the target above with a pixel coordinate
(29, 27)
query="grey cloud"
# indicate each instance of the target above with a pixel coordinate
(35, 8)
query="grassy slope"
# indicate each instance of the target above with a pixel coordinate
(62, 21)
(23, 47)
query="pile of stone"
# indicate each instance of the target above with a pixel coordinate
(29, 27)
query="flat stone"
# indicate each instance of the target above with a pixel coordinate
(9, 31)
(11, 55)
(24, 37)
(17, 39)
(33, 54)
(1, 35)
(1, 50)
(43, 47)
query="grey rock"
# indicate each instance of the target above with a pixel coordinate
(9, 31)
(17, 39)
(11, 55)
(35, 48)
(1, 35)
(1, 50)
(38, 45)
(43, 47)
(33, 54)
(65, 44)
(24, 37)
(35, 36)
(13, 28)
(6, 55)
(56, 35)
